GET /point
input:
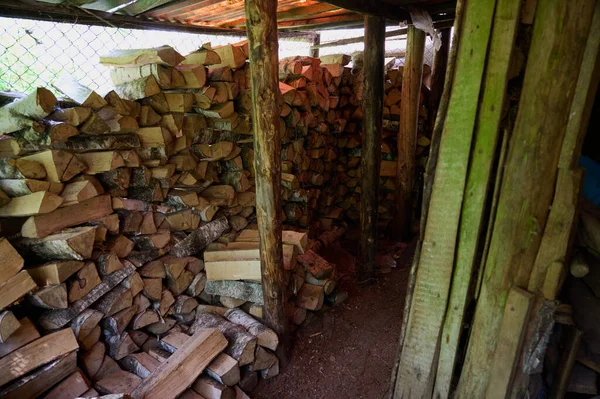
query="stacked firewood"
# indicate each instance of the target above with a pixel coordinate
(348, 192)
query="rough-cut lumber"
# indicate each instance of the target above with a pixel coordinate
(251, 292)
(50, 297)
(12, 262)
(25, 334)
(200, 238)
(181, 369)
(34, 384)
(73, 386)
(54, 272)
(264, 335)
(43, 225)
(59, 318)
(233, 270)
(164, 55)
(512, 330)
(36, 354)
(241, 344)
(71, 244)
(16, 288)
(119, 382)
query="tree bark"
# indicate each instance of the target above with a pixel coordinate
(371, 154)
(261, 25)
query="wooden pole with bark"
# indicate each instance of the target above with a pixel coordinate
(373, 119)
(261, 25)
(407, 135)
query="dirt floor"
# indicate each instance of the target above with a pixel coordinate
(348, 351)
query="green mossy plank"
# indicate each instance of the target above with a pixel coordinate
(506, 19)
(434, 273)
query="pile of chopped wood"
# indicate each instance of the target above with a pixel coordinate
(108, 202)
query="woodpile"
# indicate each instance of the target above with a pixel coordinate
(108, 203)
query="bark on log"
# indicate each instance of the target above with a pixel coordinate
(200, 238)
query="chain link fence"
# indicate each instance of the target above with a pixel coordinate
(34, 53)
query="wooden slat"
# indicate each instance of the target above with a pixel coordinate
(434, 273)
(505, 23)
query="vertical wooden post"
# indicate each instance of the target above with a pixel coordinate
(371, 143)
(407, 135)
(438, 76)
(316, 41)
(261, 28)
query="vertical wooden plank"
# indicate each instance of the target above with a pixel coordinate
(316, 41)
(261, 28)
(407, 134)
(583, 101)
(559, 35)
(506, 19)
(371, 143)
(438, 76)
(512, 330)
(418, 362)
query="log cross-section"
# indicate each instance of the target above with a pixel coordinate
(373, 120)
(261, 26)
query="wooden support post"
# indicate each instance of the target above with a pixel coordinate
(314, 52)
(373, 119)
(407, 135)
(438, 76)
(261, 27)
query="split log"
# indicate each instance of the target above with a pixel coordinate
(209, 388)
(79, 191)
(73, 386)
(265, 336)
(164, 55)
(200, 238)
(299, 239)
(37, 105)
(123, 75)
(11, 168)
(16, 288)
(83, 282)
(107, 262)
(140, 364)
(54, 272)
(248, 379)
(263, 359)
(138, 89)
(53, 319)
(71, 244)
(21, 187)
(224, 369)
(50, 297)
(119, 382)
(32, 204)
(12, 262)
(310, 297)
(116, 300)
(82, 95)
(144, 319)
(241, 343)
(120, 346)
(315, 264)
(42, 225)
(230, 302)
(8, 325)
(74, 116)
